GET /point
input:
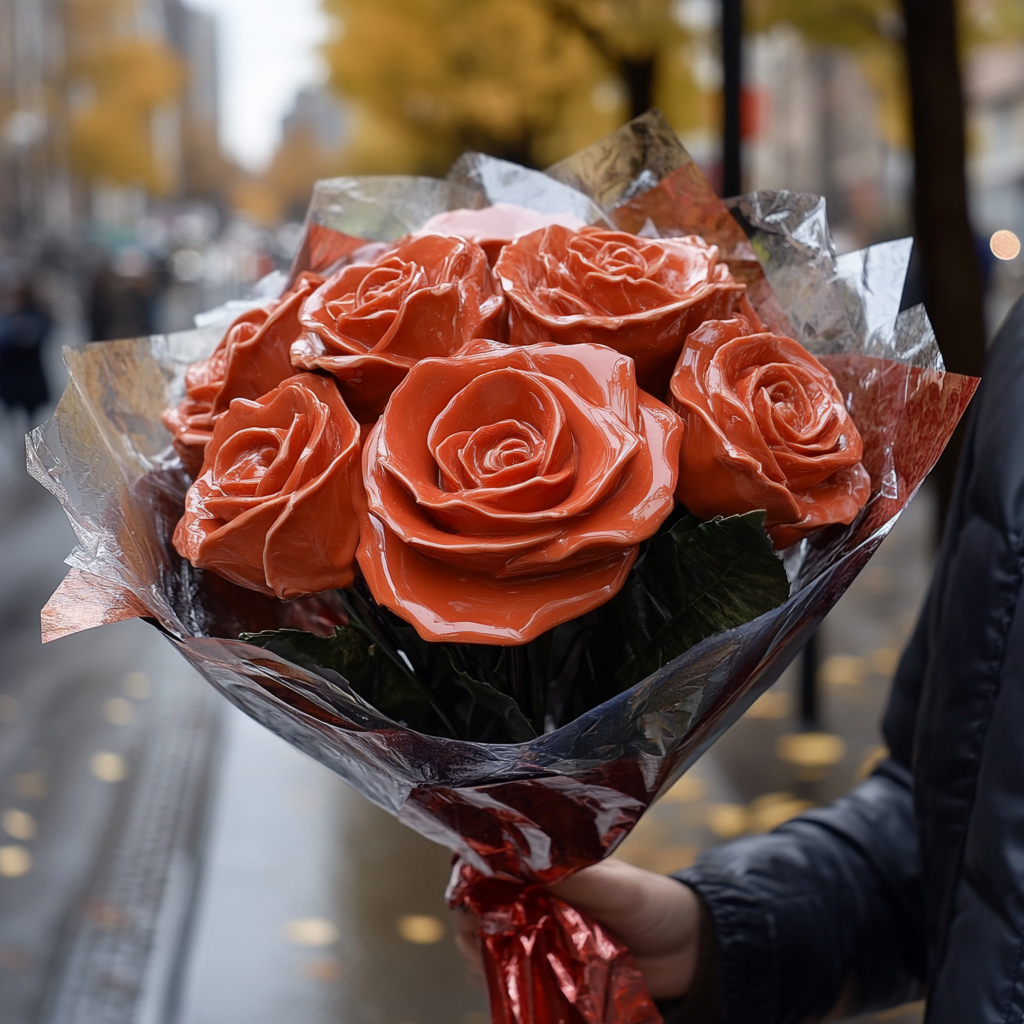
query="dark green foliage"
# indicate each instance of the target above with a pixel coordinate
(692, 580)
(371, 673)
(695, 580)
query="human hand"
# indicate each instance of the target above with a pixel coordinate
(657, 917)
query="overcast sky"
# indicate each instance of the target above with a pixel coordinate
(267, 53)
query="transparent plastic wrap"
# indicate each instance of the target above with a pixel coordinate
(516, 815)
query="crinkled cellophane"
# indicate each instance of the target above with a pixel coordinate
(515, 815)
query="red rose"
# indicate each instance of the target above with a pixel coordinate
(640, 296)
(252, 358)
(272, 508)
(371, 322)
(766, 427)
(509, 488)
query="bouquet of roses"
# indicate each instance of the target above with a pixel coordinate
(508, 501)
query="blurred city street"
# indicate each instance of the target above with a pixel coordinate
(163, 858)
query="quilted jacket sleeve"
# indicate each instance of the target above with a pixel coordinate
(826, 908)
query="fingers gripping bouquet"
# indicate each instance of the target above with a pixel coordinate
(518, 493)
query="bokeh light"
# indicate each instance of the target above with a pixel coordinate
(1005, 245)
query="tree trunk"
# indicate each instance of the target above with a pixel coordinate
(953, 290)
(732, 94)
(638, 77)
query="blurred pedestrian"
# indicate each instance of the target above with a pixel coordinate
(124, 297)
(24, 328)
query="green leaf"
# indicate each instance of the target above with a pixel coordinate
(691, 582)
(499, 704)
(424, 689)
(369, 671)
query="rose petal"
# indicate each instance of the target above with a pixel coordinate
(312, 545)
(635, 511)
(422, 297)
(496, 455)
(765, 428)
(602, 443)
(251, 359)
(493, 227)
(229, 549)
(446, 603)
(366, 382)
(256, 362)
(497, 406)
(638, 296)
(273, 508)
(390, 499)
(838, 500)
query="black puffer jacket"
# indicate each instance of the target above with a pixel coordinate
(914, 882)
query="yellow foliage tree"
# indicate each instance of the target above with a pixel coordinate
(528, 80)
(116, 82)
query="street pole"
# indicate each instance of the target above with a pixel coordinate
(732, 84)
(809, 716)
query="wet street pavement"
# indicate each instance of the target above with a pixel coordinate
(165, 859)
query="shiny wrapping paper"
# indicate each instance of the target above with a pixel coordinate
(516, 816)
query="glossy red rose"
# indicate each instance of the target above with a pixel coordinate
(272, 508)
(371, 322)
(640, 296)
(509, 487)
(252, 358)
(493, 227)
(766, 428)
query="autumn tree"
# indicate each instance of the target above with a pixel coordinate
(117, 84)
(528, 80)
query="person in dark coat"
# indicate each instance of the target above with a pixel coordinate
(913, 883)
(24, 329)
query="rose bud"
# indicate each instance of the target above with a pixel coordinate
(252, 357)
(493, 227)
(766, 428)
(272, 508)
(509, 487)
(640, 296)
(371, 322)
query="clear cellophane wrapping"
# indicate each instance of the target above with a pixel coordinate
(515, 816)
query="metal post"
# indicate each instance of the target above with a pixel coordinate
(809, 683)
(732, 83)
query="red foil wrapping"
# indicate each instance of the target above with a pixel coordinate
(517, 816)
(547, 962)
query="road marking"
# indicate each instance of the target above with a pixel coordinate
(810, 749)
